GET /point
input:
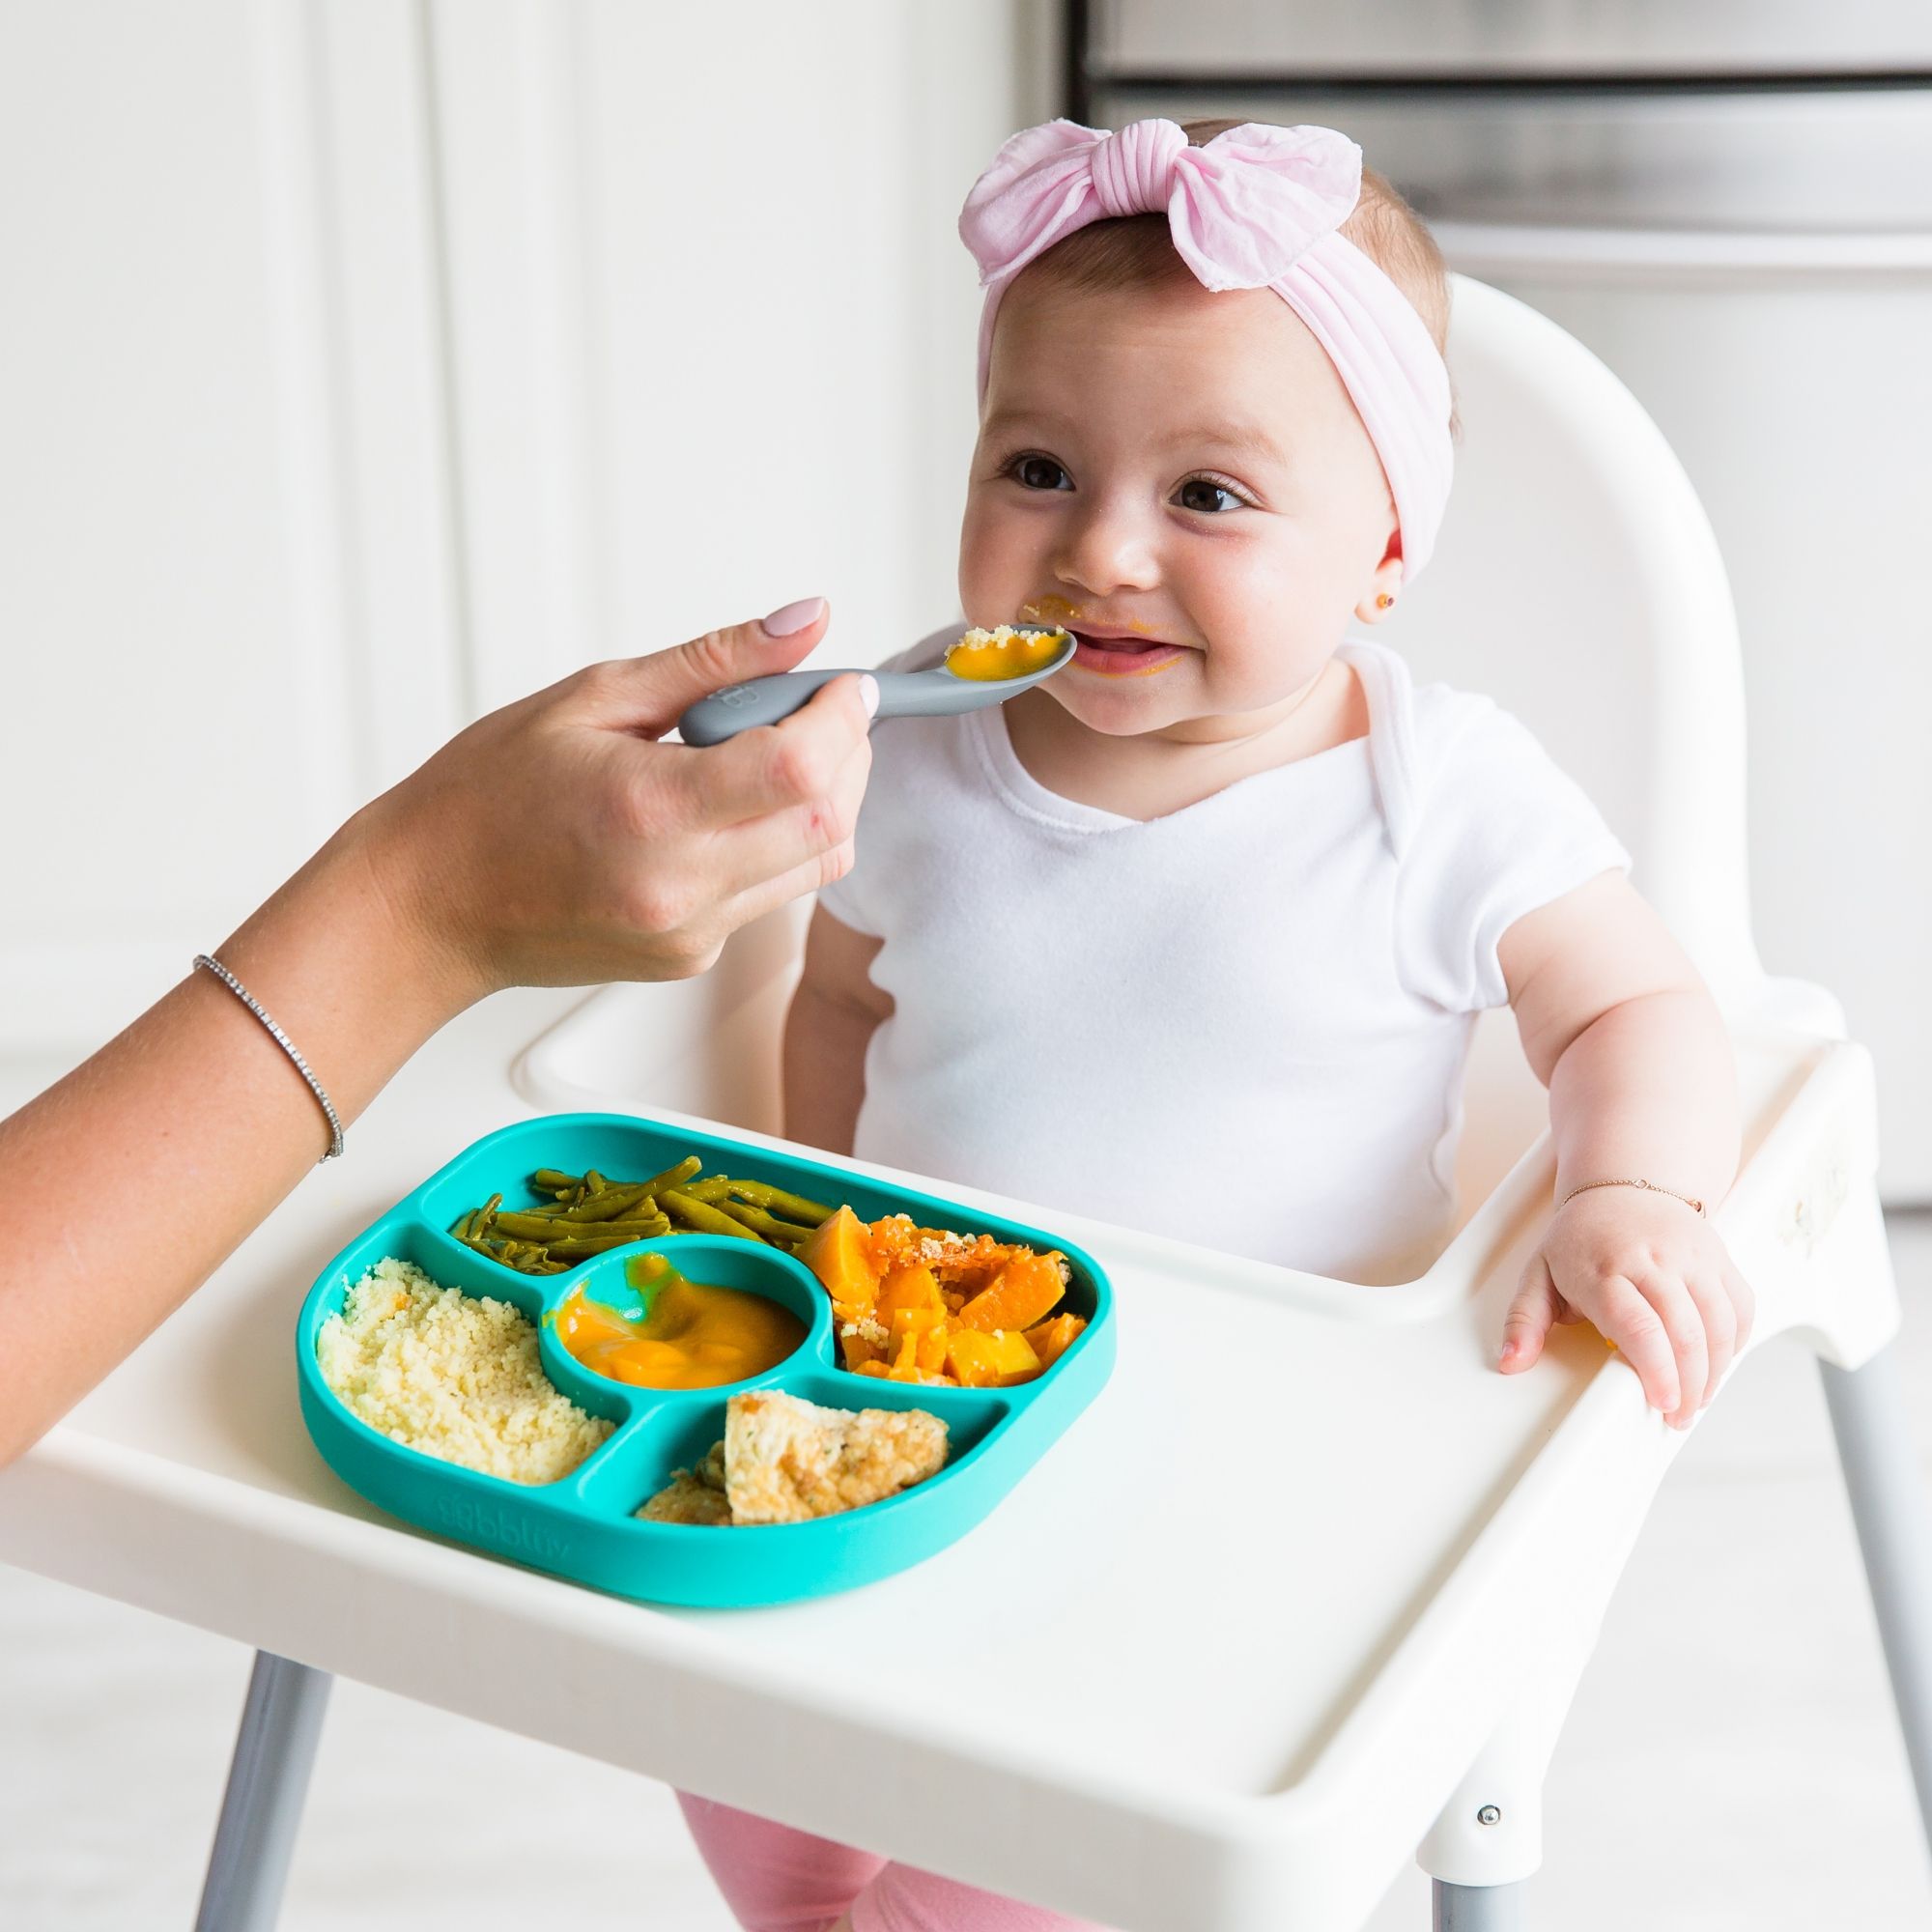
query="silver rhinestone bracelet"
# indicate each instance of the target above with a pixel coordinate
(281, 1039)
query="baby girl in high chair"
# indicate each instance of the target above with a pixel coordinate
(1211, 912)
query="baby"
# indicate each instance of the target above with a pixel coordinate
(1210, 913)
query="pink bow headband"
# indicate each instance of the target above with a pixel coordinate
(1257, 207)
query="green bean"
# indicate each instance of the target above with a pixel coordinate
(761, 1223)
(594, 1240)
(590, 1213)
(702, 1217)
(776, 1201)
(614, 1203)
(529, 1228)
(672, 1176)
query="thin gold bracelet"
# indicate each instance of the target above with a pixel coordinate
(1648, 1187)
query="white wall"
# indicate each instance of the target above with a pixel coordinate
(365, 364)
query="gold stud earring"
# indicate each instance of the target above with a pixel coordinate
(1383, 600)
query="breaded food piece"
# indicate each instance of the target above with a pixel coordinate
(689, 1499)
(789, 1460)
(784, 1460)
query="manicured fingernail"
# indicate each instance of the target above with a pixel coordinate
(789, 620)
(868, 692)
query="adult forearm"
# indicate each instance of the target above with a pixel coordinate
(130, 1180)
(1649, 1090)
(553, 842)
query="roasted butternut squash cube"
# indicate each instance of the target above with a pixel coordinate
(908, 1287)
(1052, 1339)
(996, 1360)
(927, 1328)
(857, 1350)
(1022, 1294)
(932, 1349)
(838, 1251)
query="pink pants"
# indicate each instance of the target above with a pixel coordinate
(777, 1880)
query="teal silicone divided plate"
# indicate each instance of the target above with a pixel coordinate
(585, 1526)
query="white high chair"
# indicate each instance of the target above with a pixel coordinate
(1274, 1598)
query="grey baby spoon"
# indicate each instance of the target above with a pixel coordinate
(903, 694)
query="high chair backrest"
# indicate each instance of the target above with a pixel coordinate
(1578, 583)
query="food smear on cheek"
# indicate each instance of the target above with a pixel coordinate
(692, 1335)
(1004, 652)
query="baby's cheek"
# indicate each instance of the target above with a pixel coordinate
(1273, 627)
(1247, 670)
(996, 561)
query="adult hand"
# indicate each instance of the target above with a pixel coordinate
(556, 842)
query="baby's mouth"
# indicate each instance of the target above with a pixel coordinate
(1122, 657)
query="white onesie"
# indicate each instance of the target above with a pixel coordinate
(1244, 1023)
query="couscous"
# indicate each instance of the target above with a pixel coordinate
(454, 1376)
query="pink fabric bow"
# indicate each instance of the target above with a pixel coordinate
(1257, 207)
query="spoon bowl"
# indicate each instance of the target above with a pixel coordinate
(903, 694)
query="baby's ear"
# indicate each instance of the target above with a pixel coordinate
(1384, 586)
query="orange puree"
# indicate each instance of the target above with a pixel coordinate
(1003, 653)
(692, 1335)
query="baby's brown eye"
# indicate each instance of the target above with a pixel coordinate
(1198, 493)
(1039, 472)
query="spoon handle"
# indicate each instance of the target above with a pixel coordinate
(764, 700)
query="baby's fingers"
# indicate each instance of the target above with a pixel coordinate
(1720, 1326)
(1683, 1322)
(1531, 1314)
(1638, 1330)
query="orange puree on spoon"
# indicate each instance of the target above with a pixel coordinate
(1004, 653)
(692, 1335)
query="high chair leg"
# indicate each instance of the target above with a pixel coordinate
(1888, 1497)
(261, 1811)
(1475, 1907)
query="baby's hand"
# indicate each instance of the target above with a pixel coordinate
(1653, 1277)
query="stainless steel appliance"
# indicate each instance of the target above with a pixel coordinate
(1731, 202)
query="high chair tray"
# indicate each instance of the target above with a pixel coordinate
(585, 1526)
(1218, 1662)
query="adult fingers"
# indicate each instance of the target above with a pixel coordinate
(743, 857)
(1637, 1328)
(774, 767)
(1720, 1326)
(810, 876)
(650, 694)
(1526, 1325)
